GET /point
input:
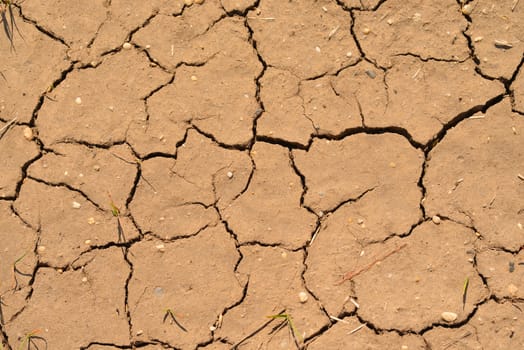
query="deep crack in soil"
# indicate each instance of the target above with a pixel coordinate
(176, 172)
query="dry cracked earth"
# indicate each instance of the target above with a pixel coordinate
(173, 173)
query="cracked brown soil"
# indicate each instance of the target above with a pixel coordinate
(174, 172)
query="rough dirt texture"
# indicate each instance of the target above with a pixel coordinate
(174, 172)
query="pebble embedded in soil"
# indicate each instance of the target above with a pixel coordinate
(126, 46)
(28, 134)
(436, 219)
(76, 205)
(78, 100)
(229, 174)
(449, 316)
(160, 247)
(467, 9)
(302, 296)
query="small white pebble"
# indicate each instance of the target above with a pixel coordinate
(390, 21)
(126, 46)
(91, 221)
(139, 332)
(467, 9)
(449, 316)
(302, 296)
(87, 241)
(519, 225)
(366, 30)
(78, 100)
(66, 173)
(28, 133)
(194, 78)
(317, 49)
(349, 54)
(160, 247)
(96, 167)
(76, 205)
(212, 328)
(84, 279)
(436, 219)
(229, 174)
(360, 221)
(41, 248)
(478, 38)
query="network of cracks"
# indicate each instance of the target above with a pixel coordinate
(263, 174)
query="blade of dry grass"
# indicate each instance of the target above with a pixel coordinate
(252, 334)
(6, 127)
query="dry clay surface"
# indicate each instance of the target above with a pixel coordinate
(241, 174)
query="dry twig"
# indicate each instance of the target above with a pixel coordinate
(351, 274)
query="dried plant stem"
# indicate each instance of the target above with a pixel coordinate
(351, 274)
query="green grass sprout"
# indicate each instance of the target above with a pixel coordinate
(8, 21)
(31, 341)
(17, 271)
(288, 320)
(116, 213)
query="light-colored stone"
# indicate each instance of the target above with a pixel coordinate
(449, 316)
